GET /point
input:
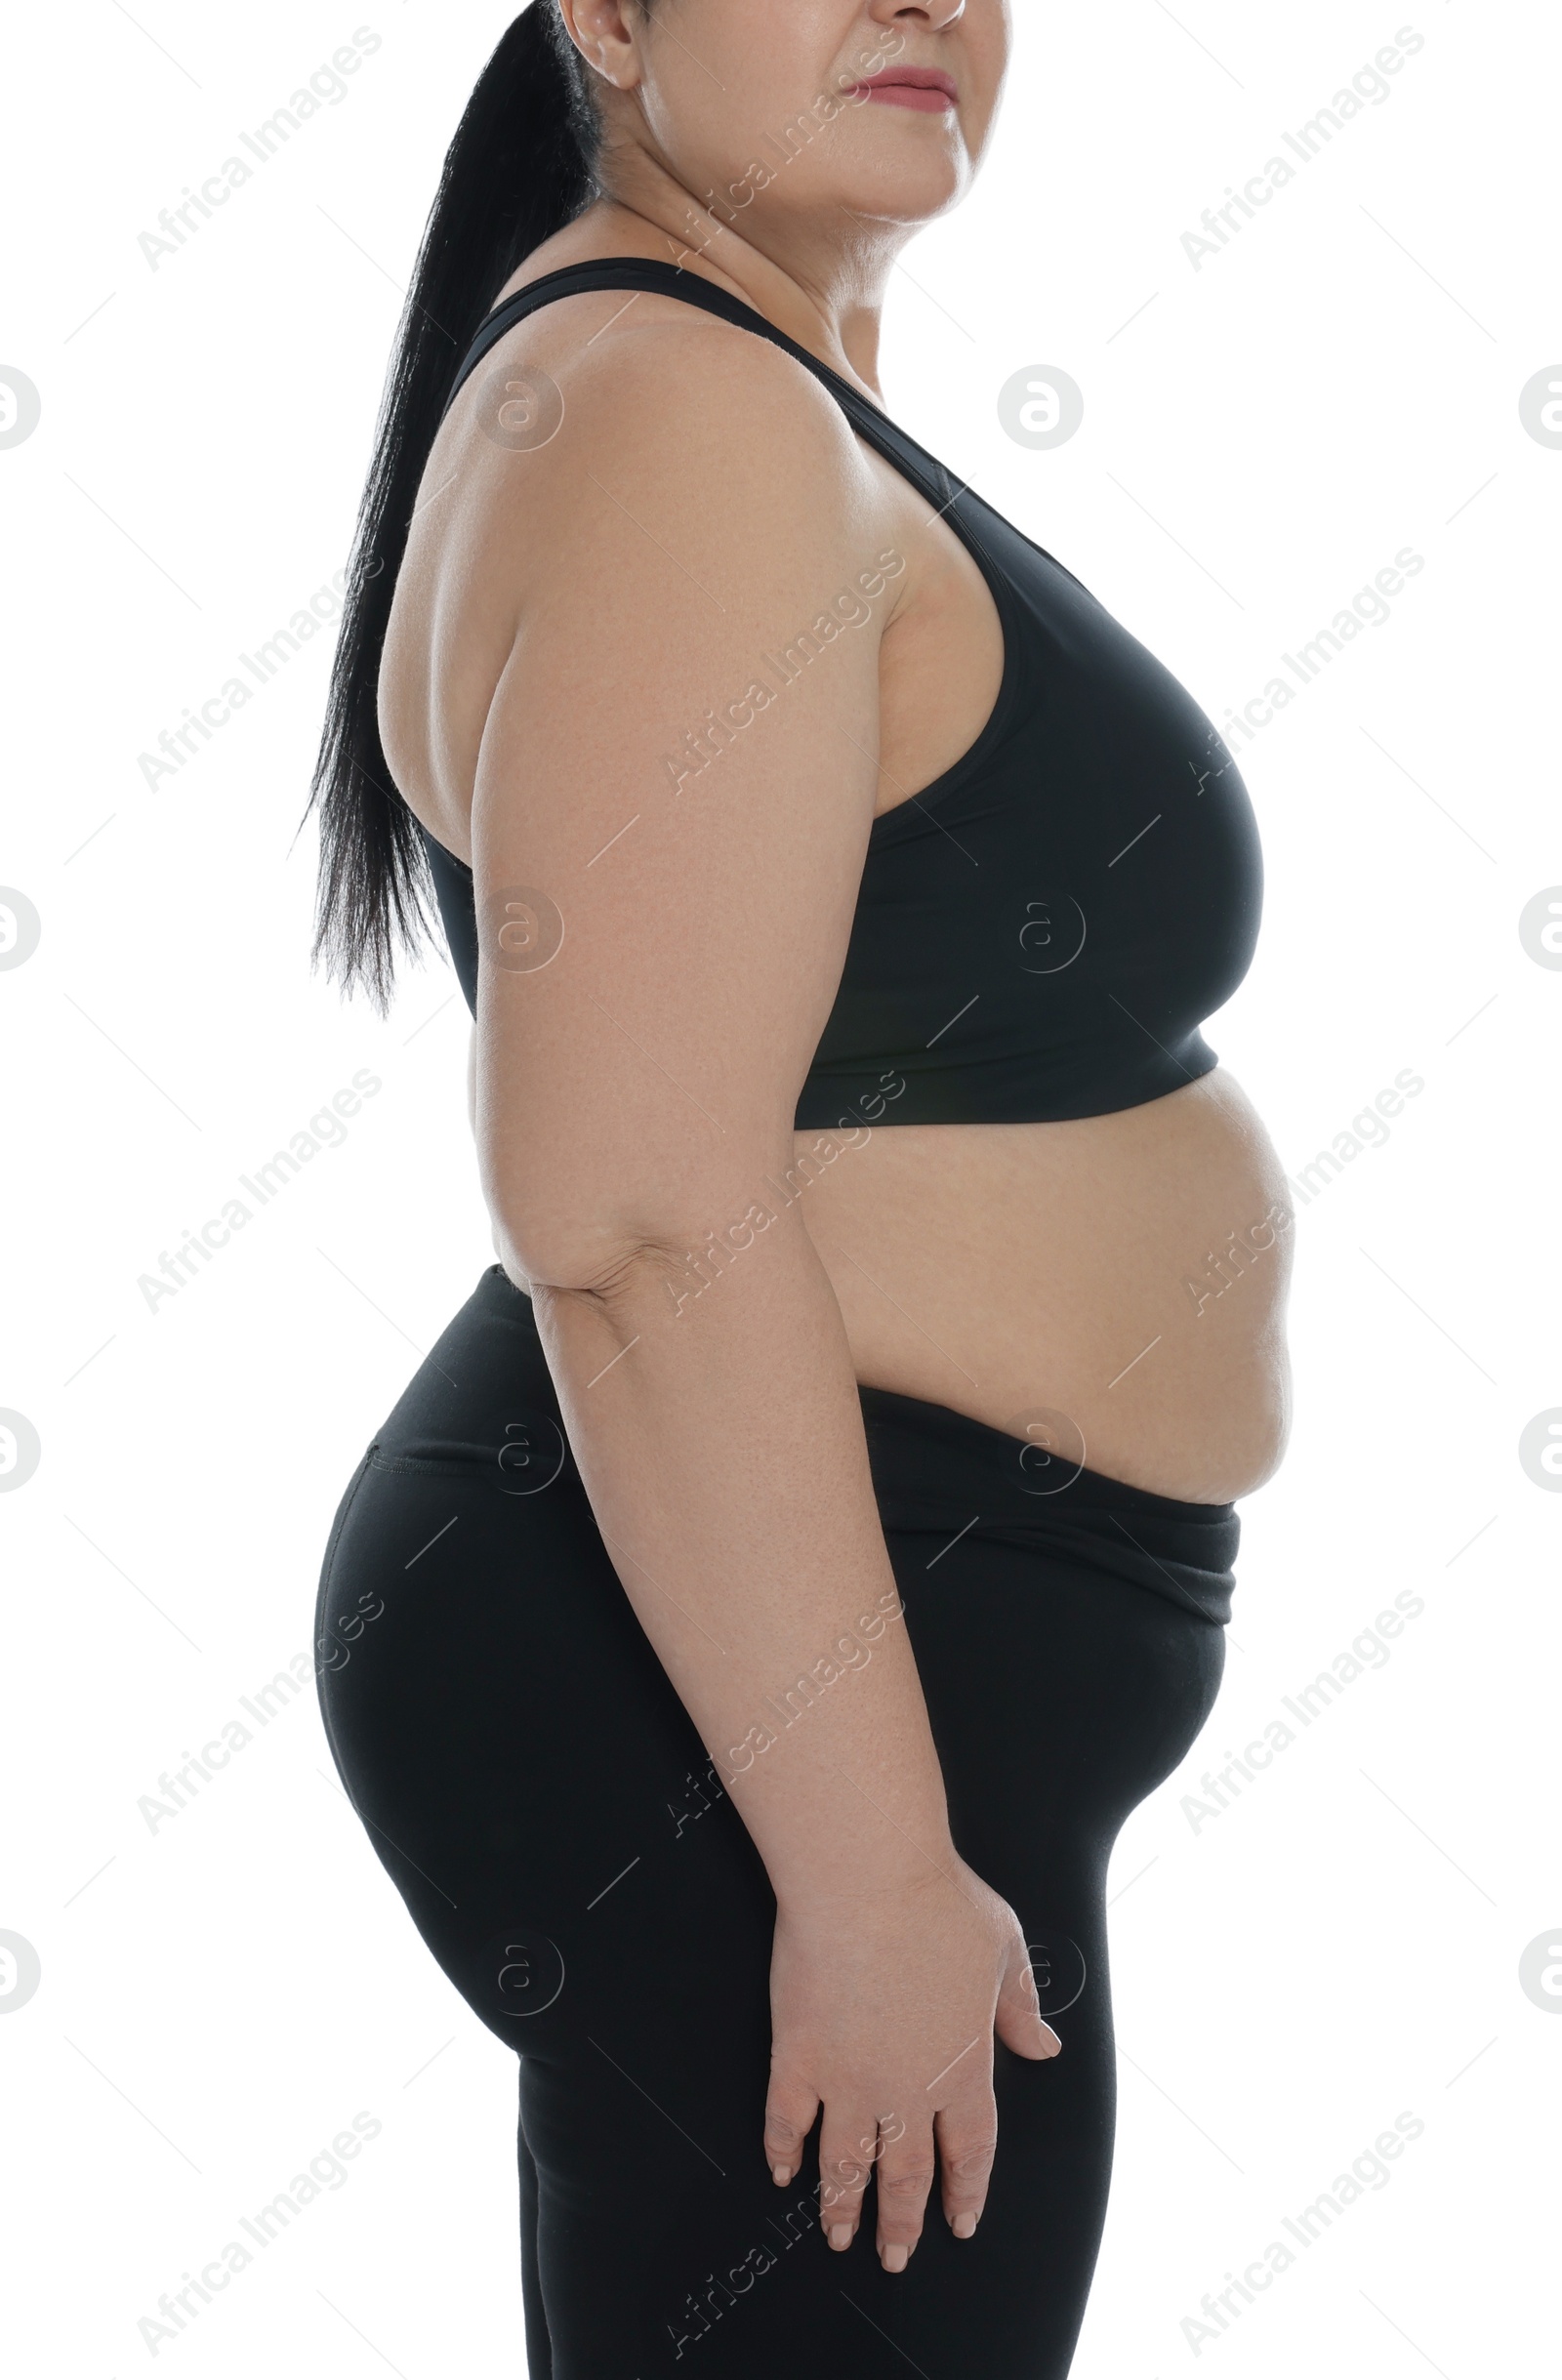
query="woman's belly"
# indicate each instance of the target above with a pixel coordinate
(1113, 1288)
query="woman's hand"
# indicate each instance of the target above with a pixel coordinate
(884, 2006)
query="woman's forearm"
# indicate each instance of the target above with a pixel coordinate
(718, 1434)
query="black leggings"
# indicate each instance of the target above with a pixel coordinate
(545, 1806)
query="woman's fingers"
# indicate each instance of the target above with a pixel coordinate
(905, 2174)
(1018, 2021)
(848, 2145)
(789, 2113)
(968, 2133)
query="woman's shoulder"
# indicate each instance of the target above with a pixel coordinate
(638, 471)
(641, 403)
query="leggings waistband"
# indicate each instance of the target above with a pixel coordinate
(939, 1471)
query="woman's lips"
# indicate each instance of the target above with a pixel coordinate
(929, 92)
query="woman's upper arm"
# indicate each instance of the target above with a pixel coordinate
(674, 794)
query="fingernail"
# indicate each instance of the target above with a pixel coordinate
(841, 2235)
(895, 2256)
(781, 2174)
(964, 2224)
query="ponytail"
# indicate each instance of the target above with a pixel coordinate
(521, 167)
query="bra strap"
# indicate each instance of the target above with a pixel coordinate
(639, 272)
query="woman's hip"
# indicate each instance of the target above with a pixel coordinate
(475, 1641)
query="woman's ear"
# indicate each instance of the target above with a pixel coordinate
(605, 33)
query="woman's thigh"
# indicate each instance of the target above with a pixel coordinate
(561, 1839)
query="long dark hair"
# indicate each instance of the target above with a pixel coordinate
(521, 166)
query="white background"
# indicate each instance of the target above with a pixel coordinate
(1341, 1944)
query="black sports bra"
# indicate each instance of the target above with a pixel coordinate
(1040, 932)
